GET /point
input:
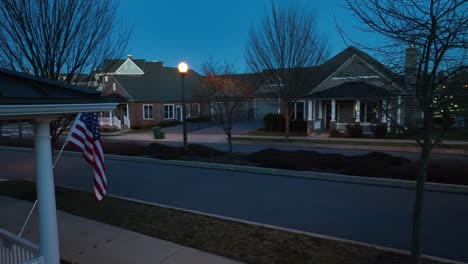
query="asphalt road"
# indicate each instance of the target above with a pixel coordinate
(364, 213)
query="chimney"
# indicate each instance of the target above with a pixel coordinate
(129, 56)
(411, 66)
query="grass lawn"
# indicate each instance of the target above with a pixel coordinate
(261, 132)
(345, 142)
(243, 242)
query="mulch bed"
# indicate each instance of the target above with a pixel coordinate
(373, 164)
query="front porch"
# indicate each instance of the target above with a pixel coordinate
(326, 114)
(114, 118)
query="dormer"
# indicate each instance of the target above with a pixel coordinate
(129, 67)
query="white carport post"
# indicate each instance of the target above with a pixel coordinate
(384, 111)
(357, 108)
(48, 233)
(333, 111)
(399, 111)
(309, 114)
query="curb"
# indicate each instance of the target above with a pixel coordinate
(393, 183)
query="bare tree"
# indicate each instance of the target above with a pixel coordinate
(437, 30)
(59, 39)
(280, 48)
(228, 94)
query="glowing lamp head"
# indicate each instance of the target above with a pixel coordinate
(183, 67)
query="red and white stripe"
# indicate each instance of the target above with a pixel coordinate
(82, 139)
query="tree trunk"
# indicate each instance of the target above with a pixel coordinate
(230, 142)
(416, 246)
(20, 130)
(286, 123)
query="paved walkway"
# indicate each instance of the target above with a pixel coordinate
(86, 241)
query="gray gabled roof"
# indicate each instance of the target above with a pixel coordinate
(159, 83)
(314, 76)
(323, 71)
(112, 65)
(353, 90)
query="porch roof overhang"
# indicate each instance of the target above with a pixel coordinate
(354, 90)
(50, 110)
(26, 96)
(23, 96)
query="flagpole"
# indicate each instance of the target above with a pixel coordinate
(60, 152)
(27, 219)
(35, 202)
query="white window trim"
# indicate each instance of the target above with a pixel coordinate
(152, 110)
(187, 109)
(303, 109)
(164, 111)
(197, 109)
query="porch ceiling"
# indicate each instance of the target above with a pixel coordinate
(354, 90)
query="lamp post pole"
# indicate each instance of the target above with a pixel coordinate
(183, 70)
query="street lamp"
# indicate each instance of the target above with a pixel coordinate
(183, 68)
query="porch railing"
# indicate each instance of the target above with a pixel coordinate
(104, 121)
(126, 121)
(114, 121)
(16, 250)
(367, 128)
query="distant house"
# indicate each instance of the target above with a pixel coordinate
(153, 92)
(351, 87)
(239, 88)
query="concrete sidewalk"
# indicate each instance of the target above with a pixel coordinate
(86, 241)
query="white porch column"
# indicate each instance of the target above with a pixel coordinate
(399, 111)
(384, 111)
(313, 110)
(333, 111)
(48, 234)
(111, 119)
(357, 107)
(320, 110)
(309, 115)
(128, 116)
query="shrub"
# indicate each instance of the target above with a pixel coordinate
(334, 132)
(299, 127)
(168, 123)
(379, 130)
(198, 119)
(354, 130)
(274, 122)
(108, 129)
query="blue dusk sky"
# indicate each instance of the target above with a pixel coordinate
(192, 31)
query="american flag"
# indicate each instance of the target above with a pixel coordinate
(85, 137)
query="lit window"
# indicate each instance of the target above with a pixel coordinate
(147, 111)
